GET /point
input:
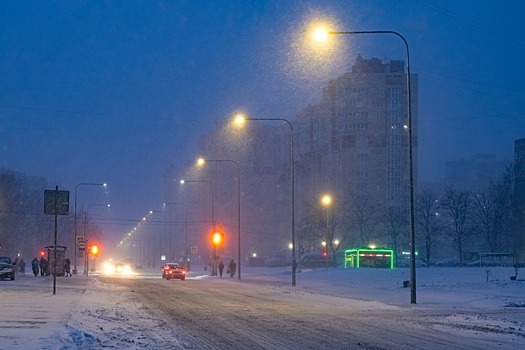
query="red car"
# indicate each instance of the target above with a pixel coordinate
(173, 270)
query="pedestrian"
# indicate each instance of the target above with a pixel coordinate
(22, 267)
(42, 265)
(232, 267)
(67, 267)
(221, 268)
(15, 266)
(34, 266)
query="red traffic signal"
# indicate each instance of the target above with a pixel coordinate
(42, 253)
(217, 238)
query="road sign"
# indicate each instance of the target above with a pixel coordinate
(193, 249)
(80, 239)
(56, 202)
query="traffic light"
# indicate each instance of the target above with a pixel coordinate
(42, 253)
(217, 238)
(94, 250)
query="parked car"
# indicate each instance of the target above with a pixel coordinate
(173, 271)
(275, 262)
(7, 268)
(315, 261)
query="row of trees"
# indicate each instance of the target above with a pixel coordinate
(447, 220)
(24, 228)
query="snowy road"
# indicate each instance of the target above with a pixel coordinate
(328, 309)
(228, 314)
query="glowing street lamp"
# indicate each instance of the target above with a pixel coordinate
(326, 200)
(320, 35)
(239, 119)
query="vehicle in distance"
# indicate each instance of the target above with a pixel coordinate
(173, 271)
(315, 261)
(119, 268)
(7, 268)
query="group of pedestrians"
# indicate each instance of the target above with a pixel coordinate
(20, 266)
(41, 267)
(232, 268)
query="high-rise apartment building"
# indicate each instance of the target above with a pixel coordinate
(355, 142)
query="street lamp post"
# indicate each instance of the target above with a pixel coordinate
(320, 34)
(185, 228)
(75, 229)
(86, 228)
(326, 201)
(182, 182)
(212, 200)
(201, 161)
(239, 119)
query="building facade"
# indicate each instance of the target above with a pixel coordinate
(355, 144)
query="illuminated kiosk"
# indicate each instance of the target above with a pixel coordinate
(369, 257)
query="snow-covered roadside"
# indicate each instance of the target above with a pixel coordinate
(84, 314)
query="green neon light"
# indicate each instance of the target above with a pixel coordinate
(353, 256)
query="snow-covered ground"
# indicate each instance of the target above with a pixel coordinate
(86, 311)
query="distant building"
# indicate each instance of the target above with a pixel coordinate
(354, 143)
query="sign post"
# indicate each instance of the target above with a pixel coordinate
(56, 203)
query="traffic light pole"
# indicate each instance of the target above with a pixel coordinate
(86, 261)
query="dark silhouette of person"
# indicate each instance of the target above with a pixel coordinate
(232, 267)
(22, 267)
(34, 266)
(43, 266)
(67, 267)
(221, 268)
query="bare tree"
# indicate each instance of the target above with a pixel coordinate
(457, 205)
(364, 216)
(324, 224)
(493, 210)
(395, 221)
(426, 218)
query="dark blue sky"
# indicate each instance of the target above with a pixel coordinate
(116, 91)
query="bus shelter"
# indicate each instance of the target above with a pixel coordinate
(369, 257)
(61, 259)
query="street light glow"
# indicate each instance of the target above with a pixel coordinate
(200, 161)
(239, 119)
(320, 34)
(326, 200)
